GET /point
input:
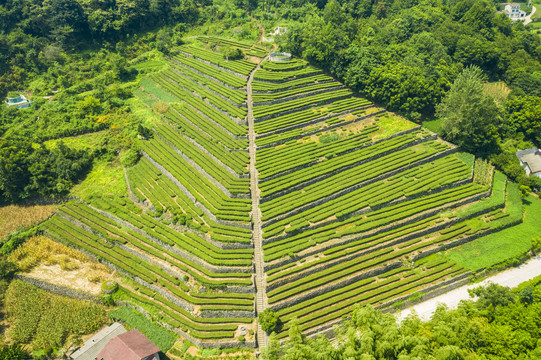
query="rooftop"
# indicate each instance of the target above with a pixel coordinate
(131, 345)
(532, 157)
(96, 343)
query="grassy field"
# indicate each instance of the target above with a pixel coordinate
(13, 217)
(433, 125)
(105, 179)
(81, 142)
(495, 248)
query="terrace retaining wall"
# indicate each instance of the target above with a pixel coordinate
(168, 175)
(204, 173)
(300, 76)
(206, 101)
(315, 131)
(301, 108)
(290, 87)
(299, 96)
(393, 226)
(58, 289)
(227, 313)
(205, 75)
(286, 279)
(179, 252)
(321, 119)
(334, 286)
(236, 137)
(346, 190)
(213, 65)
(362, 146)
(243, 104)
(214, 158)
(200, 344)
(430, 292)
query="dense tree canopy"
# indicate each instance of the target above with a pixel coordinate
(501, 324)
(27, 172)
(406, 54)
(470, 117)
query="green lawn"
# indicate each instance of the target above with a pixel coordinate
(495, 248)
(433, 125)
(105, 179)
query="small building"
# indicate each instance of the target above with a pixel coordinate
(131, 345)
(279, 30)
(20, 102)
(92, 347)
(513, 11)
(530, 159)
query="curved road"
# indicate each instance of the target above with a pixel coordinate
(510, 278)
(528, 19)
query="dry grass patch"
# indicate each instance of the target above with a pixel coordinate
(13, 217)
(42, 258)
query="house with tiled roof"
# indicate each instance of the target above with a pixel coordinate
(96, 343)
(131, 345)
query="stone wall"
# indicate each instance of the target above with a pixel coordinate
(209, 89)
(287, 88)
(200, 344)
(334, 286)
(186, 192)
(299, 96)
(203, 74)
(411, 220)
(343, 192)
(318, 120)
(57, 289)
(306, 107)
(214, 65)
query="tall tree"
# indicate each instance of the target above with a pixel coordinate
(470, 117)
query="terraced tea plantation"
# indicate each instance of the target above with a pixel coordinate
(347, 202)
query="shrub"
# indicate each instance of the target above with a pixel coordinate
(109, 287)
(230, 53)
(130, 157)
(160, 107)
(13, 352)
(163, 338)
(269, 320)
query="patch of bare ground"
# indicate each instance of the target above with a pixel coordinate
(13, 217)
(42, 258)
(254, 59)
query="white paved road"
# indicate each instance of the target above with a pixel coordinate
(511, 278)
(528, 19)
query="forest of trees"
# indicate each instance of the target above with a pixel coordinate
(406, 55)
(503, 324)
(403, 54)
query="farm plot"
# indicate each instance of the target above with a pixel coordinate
(354, 202)
(181, 235)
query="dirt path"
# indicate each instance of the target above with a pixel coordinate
(528, 19)
(511, 278)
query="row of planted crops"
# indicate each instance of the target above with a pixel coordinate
(182, 233)
(357, 203)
